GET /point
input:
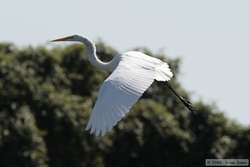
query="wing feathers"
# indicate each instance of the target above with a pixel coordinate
(133, 75)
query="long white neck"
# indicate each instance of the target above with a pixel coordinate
(93, 58)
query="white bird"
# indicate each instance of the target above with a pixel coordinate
(132, 74)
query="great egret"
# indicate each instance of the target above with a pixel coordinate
(133, 73)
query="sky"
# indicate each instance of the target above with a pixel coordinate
(212, 37)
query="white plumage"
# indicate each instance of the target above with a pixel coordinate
(133, 75)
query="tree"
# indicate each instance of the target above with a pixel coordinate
(46, 97)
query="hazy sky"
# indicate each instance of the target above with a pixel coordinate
(212, 37)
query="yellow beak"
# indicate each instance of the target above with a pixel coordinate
(68, 38)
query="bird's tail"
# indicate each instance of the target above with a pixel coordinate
(187, 103)
(163, 72)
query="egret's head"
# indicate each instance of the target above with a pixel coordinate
(68, 38)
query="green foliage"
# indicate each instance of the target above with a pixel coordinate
(45, 100)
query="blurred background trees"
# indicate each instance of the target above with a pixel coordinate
(46, 97)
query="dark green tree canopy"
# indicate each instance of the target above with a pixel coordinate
(46, 97)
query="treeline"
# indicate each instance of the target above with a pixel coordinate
(46, 96)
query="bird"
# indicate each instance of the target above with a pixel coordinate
(133, 72)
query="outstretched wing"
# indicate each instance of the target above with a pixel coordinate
(133, 75)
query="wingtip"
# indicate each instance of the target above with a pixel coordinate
(97, 133)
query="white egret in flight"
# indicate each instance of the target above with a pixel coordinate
(132, 74)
